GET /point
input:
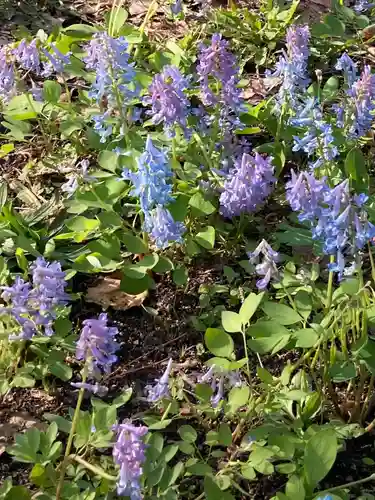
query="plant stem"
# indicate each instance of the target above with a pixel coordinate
(96, 470)
(372, 261)
(247, 356)
(150, 12)
(348, 485)
(71, 436)
(367, 399)
(330, 286)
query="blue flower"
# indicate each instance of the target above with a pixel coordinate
(56, 61)
(27, 55)
(363, 5)
(161, 389)
(348, 67)
(266, 259)
(163, 228)
(7, 78)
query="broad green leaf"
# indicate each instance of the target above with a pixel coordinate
(200, 206)
(206, 238)
(134, 244)
(283, 314)
(225, 434)
(180, 276)
(355, 165)
(164, 265)
(231, 321)
(188, 433)
(330, 88)
(303, 303)
(108, 160)
(117, 19)
(61, 370)
(136, 286)
(238, 396)
(51, 91)
(320, 455)
(214, 492)
(219, 342)
(249, 306)
(295, 489)
(343, 371)
(82, 224)
(305, 337)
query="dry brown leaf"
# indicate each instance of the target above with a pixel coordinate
(107, 293)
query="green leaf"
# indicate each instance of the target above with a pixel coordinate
(164, 265)
(303, 303)
(199, 469)
(213, 491)
(330, 88)
(3, 194)
(136, 286)
(247, 471)
(117, 19)
(249, 306)
(218, 342)
(295, 489)
(231, 321)
(18, 493)
(134, 244)
(108, 160)
(180, 276)
(305, 337)
(63, 424)
(238, 396)
(200, 206)
(355, 165)
(206, 238)
(225, 434)
(337, 27)
(82, 224)
(320, 455)
(61, 370)
(188, 433)
(51, 91)
(283, 314)
(343, 371)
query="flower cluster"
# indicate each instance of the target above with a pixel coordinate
(33, 305)
(154, 192)
(27, 56)
(363, 5)
(96, 345)
(337, 219)
(318, 138)
(220, 381)
(349, 68)
(248, 184)
(267, 267)
(170, 105)
(74, 179)
(218, 64)
(292, 67)
(56, 61)
(161, 389)
(129, 455)
(7, 77)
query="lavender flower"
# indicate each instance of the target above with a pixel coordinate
(363, 5)
(267, 267)
(27, 55)
(176, 7)
(37, 93)
(34, 307)
(7, 80)
(348, 67)
(248, 185)
(99, 390)
(163, 228)
(169, 102)
(337, 219)
(150, 181)
(216, 61)
(115, 75)
(129, 454)
(80, 175)
(161, 389)
(220, 382)
(292, 67)
(103, 126)
(96, 345)
(363, 98)
(56, 61)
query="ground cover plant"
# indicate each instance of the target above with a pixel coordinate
(146, 160)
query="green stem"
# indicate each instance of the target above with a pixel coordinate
(165, 414)
(247, 357)
(71, 436)
(330, 285)
(150, 12)
(44, 134)
(348, 485)
(372, 262)
(203, 149)
(93, 468)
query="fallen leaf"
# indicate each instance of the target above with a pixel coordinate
(107, 293)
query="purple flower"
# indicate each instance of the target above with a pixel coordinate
(96, 345)
(27, 55)
(99, 390)
(115, 76)
(267, 266)
(292, 67)
(56, 61)
(216, 61)
(81, 174)
(150, 180)
(248, 185)
(17, 294)
(176, 7)
(363, 5)
(7, 80)
(37, 93)
(348, 67)
(363, 99)
(129, 454)
(169, 102)
(161, 389)
(102, 126)
(220, 381)
(163, 228)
